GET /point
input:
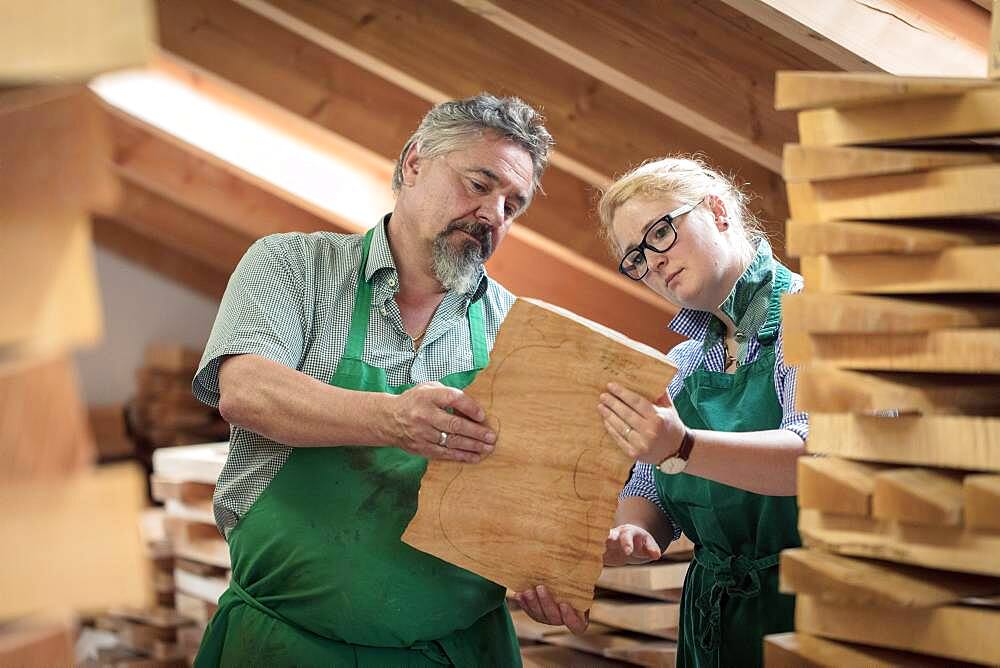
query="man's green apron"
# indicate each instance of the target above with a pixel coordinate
(730, 599)
(320, 576)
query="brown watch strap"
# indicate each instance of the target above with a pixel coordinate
(687, 444)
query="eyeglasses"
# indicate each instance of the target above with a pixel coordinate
(660, 237)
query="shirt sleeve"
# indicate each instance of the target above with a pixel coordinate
(641, 483)
(262, 313)
(784, 383)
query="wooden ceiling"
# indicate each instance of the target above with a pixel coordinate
(619, 82)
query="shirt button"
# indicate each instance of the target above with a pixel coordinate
(381, 309)
(740, 336)
(392, 282)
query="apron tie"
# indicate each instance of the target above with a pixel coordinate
(735, 576)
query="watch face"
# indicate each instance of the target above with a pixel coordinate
(673, 465)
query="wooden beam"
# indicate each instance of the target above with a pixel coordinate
(821, 163)
(952, 632)
(834, 485)
(968, 443)
(584, 116)
(860, 582)
(862, 37)
(855, 238)
(824, 388)
(816, 651)
(637, 49)
(947, 548)
(643, 616)
(50, 41)
(976, 112)
(841, 314)
(945, 350)
(149, 252)
(982, 498)
(843, 90)
(930, 497)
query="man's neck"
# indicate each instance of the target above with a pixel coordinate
(417, 282)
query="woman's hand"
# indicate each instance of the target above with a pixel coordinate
(541, 607)
(644, 431)
(630, 544)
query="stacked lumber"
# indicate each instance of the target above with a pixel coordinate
(184, 481)
(71, 540)
(163, 412)
(894, 194)
(633, 620)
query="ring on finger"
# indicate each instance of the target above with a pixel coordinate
(628, 430)
(443, 439)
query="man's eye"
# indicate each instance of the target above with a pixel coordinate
(477, 186)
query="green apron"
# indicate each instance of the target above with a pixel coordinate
(320, 576)
(730, 599)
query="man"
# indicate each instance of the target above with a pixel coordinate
(339, 361)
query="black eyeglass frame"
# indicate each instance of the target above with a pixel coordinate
(644, 244)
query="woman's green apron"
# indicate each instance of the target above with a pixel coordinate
(730, 599)
(320, 576)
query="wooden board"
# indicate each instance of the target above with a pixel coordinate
(946, 350)
(976, 112)
(37, 643)
(192, 463)
(822, 163)
(841, 314)
(646, 577)
(52, 41)
(825, 388)
(656, 654)
(947, 548)
(811, 90)
(982, 502)
(539, 509)
(198, 541)
(801, 650)
(43, 424)
(835, 485)
(931, 497)
(971, 443)
(964, 269)
(550, 656)
(73, 543)
(939, 193)
(952, 632)
(856, 238)
(635, 614)
(781, 650)
(862, 582)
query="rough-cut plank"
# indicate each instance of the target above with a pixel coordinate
(836, 579)
(198, 541)
(982, 502)
(946, 548)
(649, 654)
(971, 443)
(646, 577)
(953, 632)
(918, 496)
(782, 650)
(51, 41)
(37, 643)
(538, 510)
(975, 113)
(816, 651)
(163, 488)
(853, 238)
(945, 350)
(841, 314)
(821, 163)
(835, 485)
(635, 614)
(955, 191)
(600, 644)
(813, 90)
(550, 656)
(825, 388)
(964, 269)
(73, 543)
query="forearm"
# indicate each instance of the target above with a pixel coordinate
(645, 515)
(763, 462)
(292, 408)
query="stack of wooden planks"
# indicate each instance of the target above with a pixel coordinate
(184, 480)
(894, 194)
(633, 621)
(71, 538)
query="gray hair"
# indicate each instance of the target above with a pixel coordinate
(452, 124)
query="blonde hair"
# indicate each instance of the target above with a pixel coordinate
(684, 178)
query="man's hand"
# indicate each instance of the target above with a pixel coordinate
(629, 544)
(541, 607)
(424, 412)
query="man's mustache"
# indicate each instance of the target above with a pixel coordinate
(478, 231)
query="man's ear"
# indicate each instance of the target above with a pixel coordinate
(412, 164)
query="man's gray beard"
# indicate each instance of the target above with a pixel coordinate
(457, 270)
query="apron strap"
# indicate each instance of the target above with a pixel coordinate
(355, 347)
(477, 334)
(768, 332)
(733, 576)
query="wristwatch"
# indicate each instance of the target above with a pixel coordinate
(678, 461)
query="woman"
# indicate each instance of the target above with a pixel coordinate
(716, 455)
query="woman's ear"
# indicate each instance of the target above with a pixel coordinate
(719, 212)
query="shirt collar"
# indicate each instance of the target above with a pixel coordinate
(753, 288)
(380, 260)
